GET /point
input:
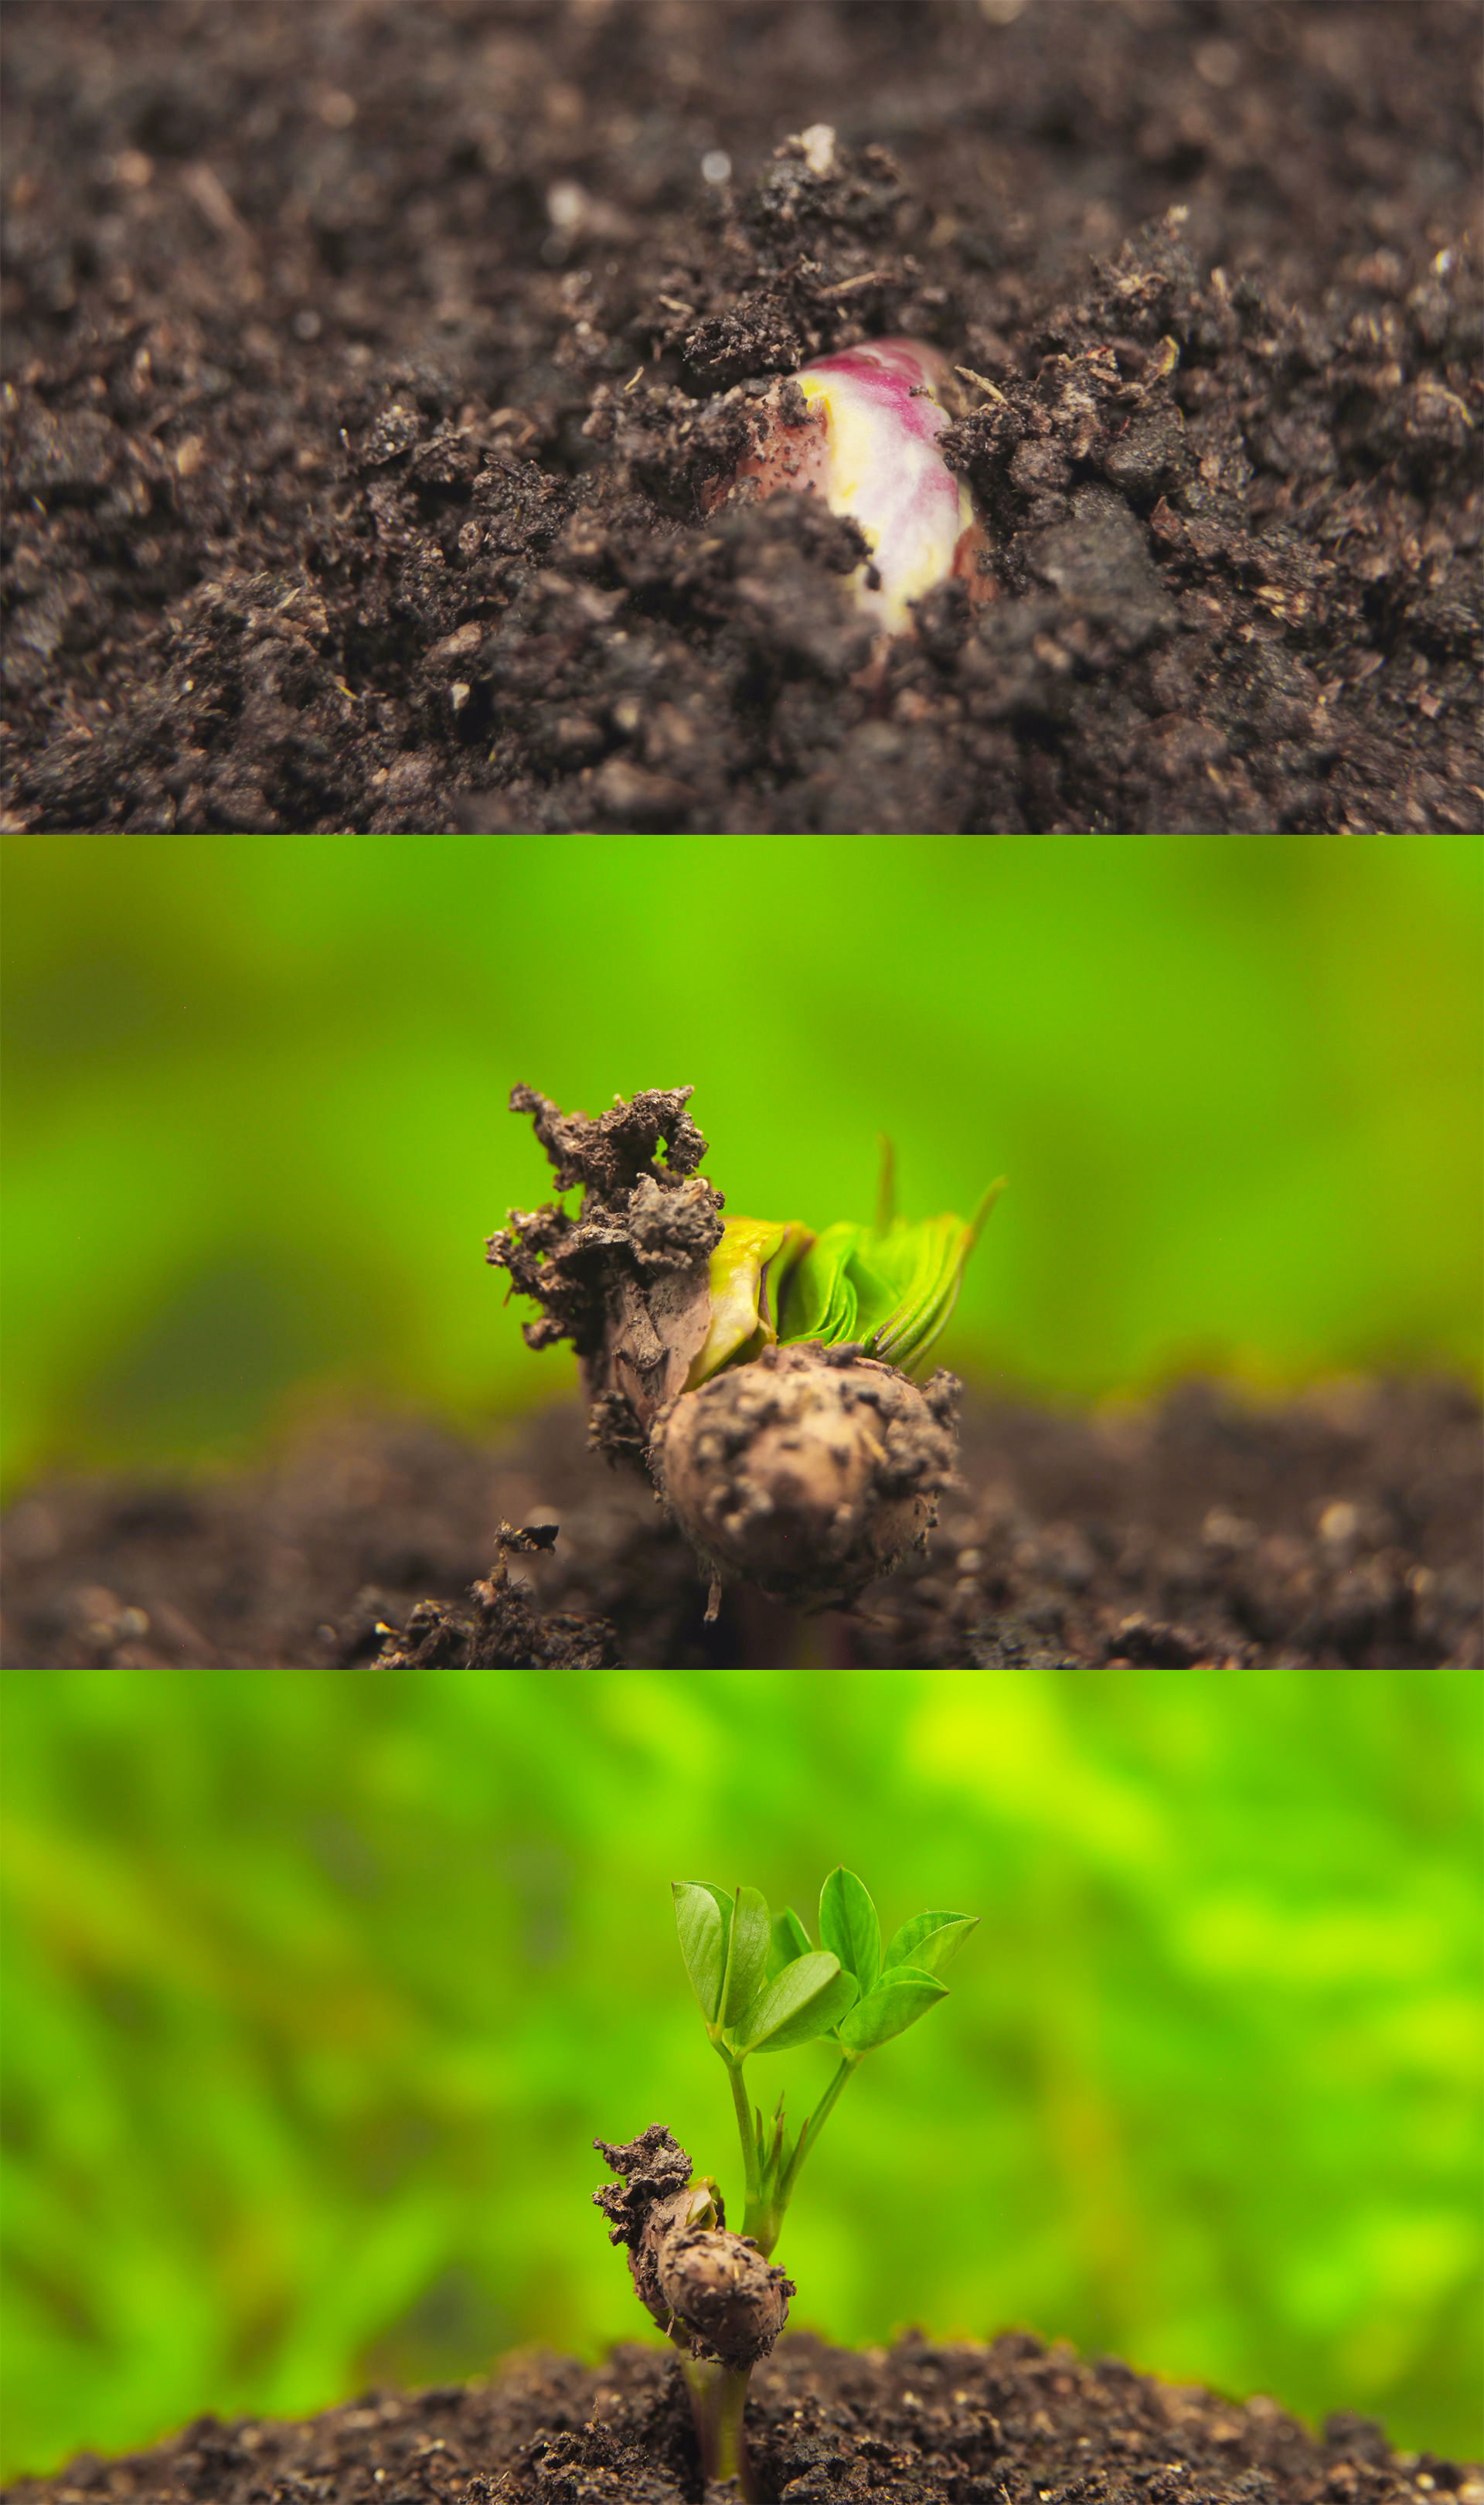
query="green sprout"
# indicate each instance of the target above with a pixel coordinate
(763, 1988)
(888, 1287)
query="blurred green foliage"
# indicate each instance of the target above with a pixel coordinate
(256, 1099)
(319, 1987)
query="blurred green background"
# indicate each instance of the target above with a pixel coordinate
(257, 1128)
(320, 1985)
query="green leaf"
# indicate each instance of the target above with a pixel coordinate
(899, 1999)
(849, 1924)
(723, 1897)
(746, 1963)
(802, 2002)
(929, 1940)
(789, 1940)
(703, 1945)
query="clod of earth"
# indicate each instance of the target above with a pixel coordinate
(761, 1372)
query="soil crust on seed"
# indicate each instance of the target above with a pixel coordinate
(371, 371)
(1010, 2424)
(1341, 1527)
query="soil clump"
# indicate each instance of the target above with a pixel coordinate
(369, 372)
(1343, 1527)
(1010, 2424)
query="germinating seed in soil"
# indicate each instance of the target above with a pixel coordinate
(762, 1373)
(742, 415)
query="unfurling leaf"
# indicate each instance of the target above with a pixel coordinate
(703, 1945)
(789, 1940)
(929, 1940)
(748, 1270)
(899, 1999)
(891, 1286)
(849, 1924)
(802, 2002)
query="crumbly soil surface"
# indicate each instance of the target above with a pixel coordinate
(369, 364)
(1013, 2423)
(1341, 1528)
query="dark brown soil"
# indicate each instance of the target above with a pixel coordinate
(1341, 1528)
(1014, 2423)
(368, 361)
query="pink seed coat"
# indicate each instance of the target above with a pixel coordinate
(869, 447)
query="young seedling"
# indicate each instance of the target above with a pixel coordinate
(859, 429)
(763, 1988)
(763, 1373)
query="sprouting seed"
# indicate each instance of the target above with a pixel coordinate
(867, 447)
(760, 1371)
(833, 1459)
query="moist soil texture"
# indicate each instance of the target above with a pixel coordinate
(1343, 1527)
(372, 367)
(1013, 2423)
